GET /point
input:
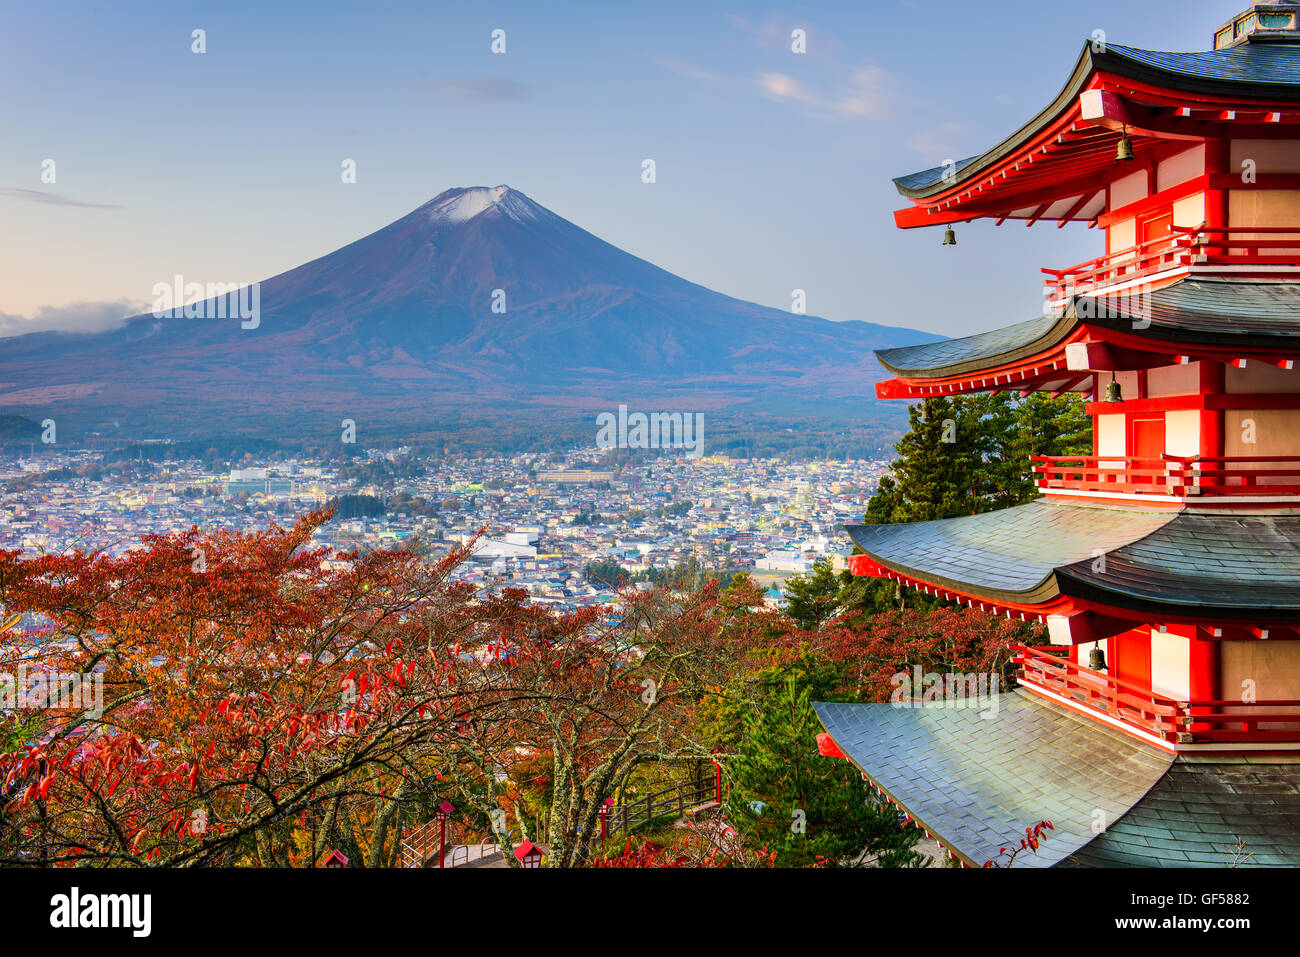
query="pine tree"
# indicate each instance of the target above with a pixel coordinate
(606, 573)
(936, 471)
(1004, 474)
(813, 599)
(1047, 426)
(800, 805)
(968, 454)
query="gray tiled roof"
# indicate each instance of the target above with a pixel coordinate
(1270, 71)
(977, 783)
(1217, 311)
(1257, 313)
(970, 352)
(929, 177)
(1225, 562)
(1255, 63)
(1195, 815)
(1159, 560)
(1008, 553)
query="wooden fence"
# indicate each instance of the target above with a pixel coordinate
(674, 801)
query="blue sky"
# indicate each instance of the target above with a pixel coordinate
(773, 168)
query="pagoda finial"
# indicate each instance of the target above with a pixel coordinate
(1273, 22)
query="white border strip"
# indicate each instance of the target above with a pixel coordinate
(1208, 747)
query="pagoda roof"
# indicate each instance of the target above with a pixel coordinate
(916, 184)
(1168, 562)
(1264, 71)
(1235, 315)
(1214, 562)
(984, 350)
(978, 783)
(1010, 554)
(1196, 813)
(1056, 165)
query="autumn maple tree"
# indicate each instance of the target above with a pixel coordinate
(264, 700)
(248, 680)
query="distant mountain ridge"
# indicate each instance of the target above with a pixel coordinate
(402, 322)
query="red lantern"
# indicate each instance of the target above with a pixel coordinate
(529, 855)
(604, 817)
(442, 813)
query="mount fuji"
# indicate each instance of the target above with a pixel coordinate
(479, 298)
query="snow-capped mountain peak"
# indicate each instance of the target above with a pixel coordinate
(481, 295)
(463, 204)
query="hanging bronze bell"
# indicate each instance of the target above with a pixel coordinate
(949, 237)
(1113, 391)
(1097, 658)
(1124, 152)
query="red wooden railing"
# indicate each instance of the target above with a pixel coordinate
(1103, 473)
(1262, 246)
(1128, 702)
(1178, 476)
(1181, 722)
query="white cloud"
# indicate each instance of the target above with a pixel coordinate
(780, 86)
(865, 94)
(39, 196)
(75, 317)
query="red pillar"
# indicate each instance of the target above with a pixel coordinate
(1130, 656)
(1205, 668)
(717, 781)
(1212, 382)
(1203, 684)
(442, 842)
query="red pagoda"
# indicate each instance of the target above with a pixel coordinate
(1162, 725)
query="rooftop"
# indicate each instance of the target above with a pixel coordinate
(1162, 563)
(977, 782)
(1194, 318)
(1268, 72)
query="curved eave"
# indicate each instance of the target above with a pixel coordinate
(1259, 74)
(1042, 558)
(1008, 557)
(1254, 71)
(1225, 567)
(1157, 606)
(975, 777)
(1037, 602)
(1064, 100)
(1145, 66)
(1195, 318)
(983, 352)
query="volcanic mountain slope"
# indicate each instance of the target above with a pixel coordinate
(402, 320)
